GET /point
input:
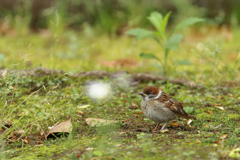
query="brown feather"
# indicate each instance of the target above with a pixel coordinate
(174, 106)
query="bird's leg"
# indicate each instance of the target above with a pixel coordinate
(155, 129)
(163, 127)
(156, 126)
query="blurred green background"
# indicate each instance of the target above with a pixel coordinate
(90, 35)
(115, 16)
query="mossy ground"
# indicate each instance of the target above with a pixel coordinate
(33, 104)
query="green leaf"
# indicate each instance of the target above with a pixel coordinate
(1, 56)
(189, 110)
(184, 62)
(180, 133)
(148, 56)
(187, 22)
(156, 19)
(74, 89)
(39, 114)
(174, 41)
(158, 66)
(97, 153)
(165, 22)
(142, 33)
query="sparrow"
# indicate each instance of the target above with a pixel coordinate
(159, 107)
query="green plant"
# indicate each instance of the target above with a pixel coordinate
(168, 42)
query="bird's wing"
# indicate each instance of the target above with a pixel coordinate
(172, 104)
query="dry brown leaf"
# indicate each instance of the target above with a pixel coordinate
(220, 97)
(230, 95)
(174, 125)
(206, 126)
(198, 141)
(80, 112)
(139, 113)
(210, 112)
(215, 141)
(26, 140)
(223, 136)
(92, 122)
(118, 145)
(20, 132)
(6, 125)
(64, 127)
(42, 133)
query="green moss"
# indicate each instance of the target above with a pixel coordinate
(234, 117)
(204, 116)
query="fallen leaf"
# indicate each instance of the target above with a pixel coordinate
(215, 141)
(89, 149)
(210, 112)
(174, 125)
(235, 153)
(189, 142)
(139, 113)
(118, 145)
(219, 107)
(133, 106)
(164, 131)
(26, 140)
(84, 106)
(219, 97)
(189, 121)
(215, 145)
(217, 104)
(19, 132)
(206, 126)
(80, 112)
(42, 133)
(224, 136)
(6, 125)
(123, 95)
(78, 155)
(198, 141)
(230, 95)
(92, 122)
(64, 127)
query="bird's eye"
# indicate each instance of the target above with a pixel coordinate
(148, 93)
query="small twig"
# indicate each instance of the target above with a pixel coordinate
(218, 126)
(41, 128)
(41, 71)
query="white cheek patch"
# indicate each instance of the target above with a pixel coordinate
(159, 94)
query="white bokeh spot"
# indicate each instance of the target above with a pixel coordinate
(98, 91)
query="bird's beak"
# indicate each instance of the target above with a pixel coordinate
(142, 94)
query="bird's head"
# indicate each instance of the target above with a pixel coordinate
(150, 93)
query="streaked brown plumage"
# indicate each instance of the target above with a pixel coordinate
(159, 107)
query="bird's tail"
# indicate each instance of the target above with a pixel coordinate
(191, 116)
